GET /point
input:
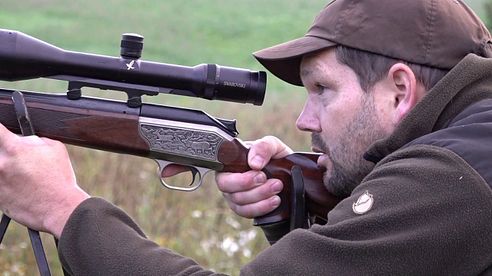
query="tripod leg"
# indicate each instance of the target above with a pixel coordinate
(37, 247)
(27, 129)
(298, 215)
(65, 272)
(3, 226)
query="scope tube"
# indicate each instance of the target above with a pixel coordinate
(24, 57)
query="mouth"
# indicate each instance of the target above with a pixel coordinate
(316, 149)
(323, 159)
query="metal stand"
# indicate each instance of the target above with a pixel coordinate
(37, 245)
(298, 213)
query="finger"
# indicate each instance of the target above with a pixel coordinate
(6, 136)
(174, 169)
(265, 149)
(34, 140)
(257, 194)
(238, 182)
(256, 209)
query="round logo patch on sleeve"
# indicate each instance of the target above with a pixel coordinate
(363, 203)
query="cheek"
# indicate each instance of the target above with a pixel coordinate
(337, 123)
(334, 132)
(335, 118)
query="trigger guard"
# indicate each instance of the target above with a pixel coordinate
(197, 172)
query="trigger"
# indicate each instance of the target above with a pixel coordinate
(194, 172)
(162, 165)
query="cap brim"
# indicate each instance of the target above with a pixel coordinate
(284, 60)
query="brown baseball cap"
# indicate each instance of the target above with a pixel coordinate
(436, 33)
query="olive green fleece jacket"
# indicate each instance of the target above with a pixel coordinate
(425, 208)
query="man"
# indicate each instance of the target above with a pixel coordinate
(399, 103)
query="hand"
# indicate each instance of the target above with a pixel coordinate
(37, 182)
(250, 194)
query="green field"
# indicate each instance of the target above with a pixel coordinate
(198, 224)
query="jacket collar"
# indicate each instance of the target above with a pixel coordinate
(465, 84)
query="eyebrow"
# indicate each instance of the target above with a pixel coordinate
(326, 78)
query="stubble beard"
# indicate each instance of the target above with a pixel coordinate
(348, 166)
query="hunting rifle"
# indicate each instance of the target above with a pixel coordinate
(169, 135)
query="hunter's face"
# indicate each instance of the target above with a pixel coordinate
(342, 118)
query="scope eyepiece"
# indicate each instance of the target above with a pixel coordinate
(224, 83)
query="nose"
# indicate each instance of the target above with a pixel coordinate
(308, 119)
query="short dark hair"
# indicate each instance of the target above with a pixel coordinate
(371, 68)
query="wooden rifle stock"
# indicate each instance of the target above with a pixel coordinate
(318, 200)
(113, 126)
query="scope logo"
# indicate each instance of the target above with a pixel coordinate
(129, 66)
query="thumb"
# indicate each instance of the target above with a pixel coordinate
(264, 149)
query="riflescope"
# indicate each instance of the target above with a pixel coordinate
(24, 57)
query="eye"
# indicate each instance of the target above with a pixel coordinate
(324, 93)
(320, 88)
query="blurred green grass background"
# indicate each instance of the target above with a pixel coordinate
(198, 224)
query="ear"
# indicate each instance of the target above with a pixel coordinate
(406, 91)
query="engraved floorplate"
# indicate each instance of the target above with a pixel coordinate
(186, 142)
